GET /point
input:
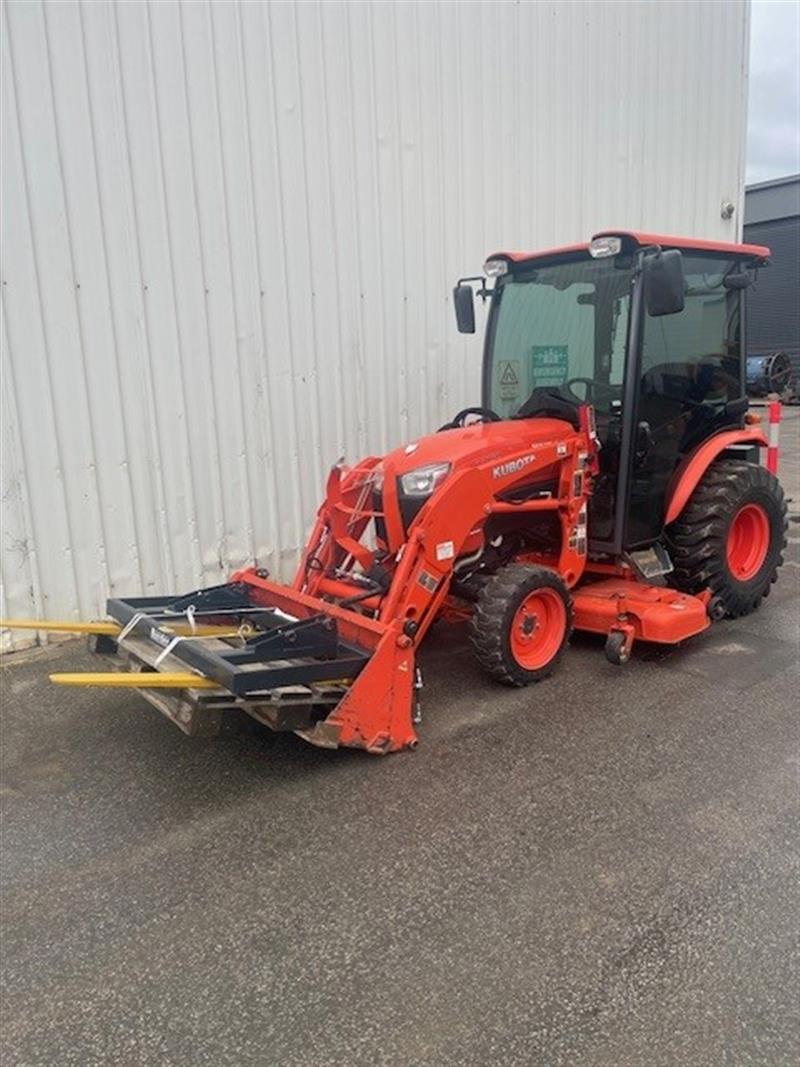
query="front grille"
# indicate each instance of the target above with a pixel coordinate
(410, 506)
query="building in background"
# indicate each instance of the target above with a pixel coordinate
(772, 218)
(230, 234)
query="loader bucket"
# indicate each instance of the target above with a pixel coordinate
(292, 661)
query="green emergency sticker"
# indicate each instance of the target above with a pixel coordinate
(549, 365)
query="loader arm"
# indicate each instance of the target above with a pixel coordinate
(332, 656)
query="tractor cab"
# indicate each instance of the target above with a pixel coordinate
(645, 328)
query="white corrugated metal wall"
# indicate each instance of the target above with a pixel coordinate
(230, 231)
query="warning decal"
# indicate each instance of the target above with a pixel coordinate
(427, 581)
(508, 375)
(508, 378)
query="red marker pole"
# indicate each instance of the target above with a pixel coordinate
(774, 431)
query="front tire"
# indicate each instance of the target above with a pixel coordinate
(521, 624)
(731, 536)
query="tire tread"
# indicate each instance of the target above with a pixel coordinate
(697, 539)
(488, 630)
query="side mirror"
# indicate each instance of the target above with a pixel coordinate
(464, 303)
(663, 282)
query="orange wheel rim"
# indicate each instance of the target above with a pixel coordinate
(748, 542)
(538, 629)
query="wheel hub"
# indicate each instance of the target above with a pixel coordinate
(748, 542)
(538, 629)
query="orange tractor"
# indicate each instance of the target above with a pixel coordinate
(609, 482)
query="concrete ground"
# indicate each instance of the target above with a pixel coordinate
(598, 870)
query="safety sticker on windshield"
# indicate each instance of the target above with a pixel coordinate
(508, 372)
(549, 365)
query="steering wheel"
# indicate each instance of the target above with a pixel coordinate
(486, 415)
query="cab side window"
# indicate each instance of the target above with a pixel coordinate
(690, 361)
(690, 371)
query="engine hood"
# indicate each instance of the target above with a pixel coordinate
(484, 442)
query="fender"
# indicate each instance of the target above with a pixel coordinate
(693, 466)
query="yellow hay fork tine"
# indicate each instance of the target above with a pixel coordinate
(154, 680)
(60, 626)
(111, 628)
(137, 680)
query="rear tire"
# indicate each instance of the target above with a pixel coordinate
(521, 624)
(731, 535)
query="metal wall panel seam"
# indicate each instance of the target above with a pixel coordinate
(744, 89)
(96, 509)
(342, 407)
(37, 283)
(231, 12)
(317, 424)
(274, 394)
(77, 149)
(150, 413)
(234, 481)
(418, 415)
(126, 434)
(151, 314)
(405, 352)
(192, 511)
(300, 505)
(423, 378)
(266, 435)
(216, 498)
(14, 457)
(320, 233)
(447, 107)
(12, 428)
(375, 160)
(361, 375)
(289, 408)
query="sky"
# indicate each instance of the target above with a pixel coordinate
(773, 126)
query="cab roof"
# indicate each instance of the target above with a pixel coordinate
(637, 238)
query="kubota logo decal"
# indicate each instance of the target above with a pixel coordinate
(513, 466)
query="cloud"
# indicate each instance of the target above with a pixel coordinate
(773, 126)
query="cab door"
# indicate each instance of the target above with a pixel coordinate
(689, 373)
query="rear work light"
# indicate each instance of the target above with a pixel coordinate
(601, 247)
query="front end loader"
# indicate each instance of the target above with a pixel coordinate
(609, 482)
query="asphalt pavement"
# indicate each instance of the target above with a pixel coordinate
(598, 870)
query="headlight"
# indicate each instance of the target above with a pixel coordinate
(424, 480)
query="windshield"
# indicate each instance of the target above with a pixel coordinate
(562, 329)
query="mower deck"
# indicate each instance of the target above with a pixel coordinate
(639, 611)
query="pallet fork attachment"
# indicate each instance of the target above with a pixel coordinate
(290, 660)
